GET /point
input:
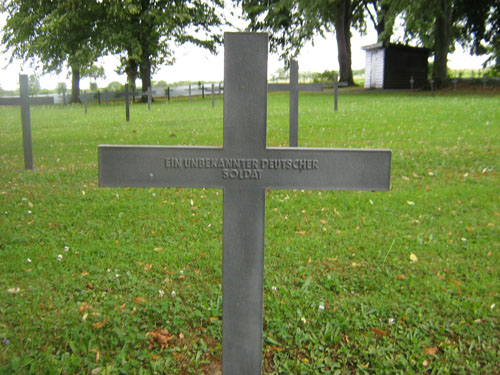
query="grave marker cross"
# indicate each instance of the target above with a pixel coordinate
(294, 87)
(336, 84)
(244, 168)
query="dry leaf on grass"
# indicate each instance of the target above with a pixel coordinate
(100, 324)
(159, 336)
(431, 351)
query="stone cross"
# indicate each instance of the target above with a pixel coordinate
(150, 98)
(412, 81)
(294, 87)
(213, 95)
(26, 121)
(127, 104)
(336, 85)
(244, 168)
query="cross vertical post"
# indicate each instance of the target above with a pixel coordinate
(150, 98)
(189, 93)
(213, 95)
(127, 104)
(336, 85)
(26, 121)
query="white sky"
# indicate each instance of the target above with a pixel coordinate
(195, 64)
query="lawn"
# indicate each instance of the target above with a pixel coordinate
(398, 282)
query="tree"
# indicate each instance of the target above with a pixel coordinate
(439, 24)
(33, 85)
(293, 22)
(143, 31)
(55, 33)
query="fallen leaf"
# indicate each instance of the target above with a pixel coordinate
(159, 336)
(84, 306)
(354, 264)
(97, 355)
(148, 266)
(84, 317)
(139, 300)
(431, 351)
(400, 277)
(181, 336)
(83, 274)
(456, 282)
(413, 258)
(13, 290)
(100, 324)
(301, 232)
(379, 332)
(158, 248)
(213, 319)
(425, 363)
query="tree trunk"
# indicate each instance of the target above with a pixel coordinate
(342, 22)
(145, 67)
(131, 70)
(442, 43)
(75, 85)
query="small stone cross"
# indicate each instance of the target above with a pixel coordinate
(294, 87)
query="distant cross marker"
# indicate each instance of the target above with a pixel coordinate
(244, 168)
(26, 121)
(127, 104)
(294, 87)
(336, 85)
(150, 98)
(412, 81)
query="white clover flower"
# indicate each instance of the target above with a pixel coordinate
(28, 260)
(173, 294)
(392, 321)
(464, 239)
(161, 293)
(181, 272)
(66, 248)
(117, 275)
(59, 257)
(492, 307)
(29, 211)
(274, 289)
(108, 270)
(321, 306)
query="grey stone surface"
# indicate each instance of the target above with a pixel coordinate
(244, 167)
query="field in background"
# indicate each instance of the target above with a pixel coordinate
(404, 281)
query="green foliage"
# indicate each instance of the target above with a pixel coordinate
(61, 87)
(116, 86)
(33, 84)
(342, 294)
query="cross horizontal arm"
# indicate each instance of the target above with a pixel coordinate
(273, 87)
(327, 169)
(158, 166)
(274, 168)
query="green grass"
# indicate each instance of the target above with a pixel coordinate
(349, 252)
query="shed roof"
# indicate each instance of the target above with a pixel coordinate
(381, 45)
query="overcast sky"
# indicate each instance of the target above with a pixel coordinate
(195, 64)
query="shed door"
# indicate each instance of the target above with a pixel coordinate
(373, 70)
